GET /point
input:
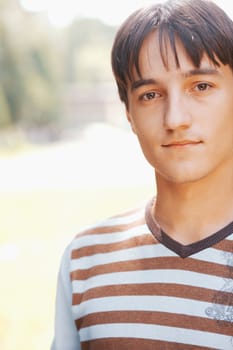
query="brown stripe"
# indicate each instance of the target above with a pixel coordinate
(136, 344)
(166, 263)
(141, 240)
(111, 228)
(156, 318)
(153, 289)
(225, 245)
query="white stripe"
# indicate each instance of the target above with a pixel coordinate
(180, 277)
(212, 255)
(230, 238)
(162, 333)
(106, 238)
(142, 252)
(156, 303)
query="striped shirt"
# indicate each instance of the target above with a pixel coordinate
(132, 287)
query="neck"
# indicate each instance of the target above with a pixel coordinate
(189, 212)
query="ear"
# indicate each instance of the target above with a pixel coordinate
(130, 120)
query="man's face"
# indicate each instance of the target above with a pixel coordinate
(183, 117)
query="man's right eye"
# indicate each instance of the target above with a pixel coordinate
(149, 96)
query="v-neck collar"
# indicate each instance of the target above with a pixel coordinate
(180, 249)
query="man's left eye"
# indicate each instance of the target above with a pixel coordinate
(202, 86)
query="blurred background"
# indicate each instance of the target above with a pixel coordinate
(67, 155)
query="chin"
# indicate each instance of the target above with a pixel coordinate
(183, 176)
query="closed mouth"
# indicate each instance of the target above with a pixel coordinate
(182, 143)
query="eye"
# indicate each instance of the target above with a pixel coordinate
(149, 96)
(202, 87)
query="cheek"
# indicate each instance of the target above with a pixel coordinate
(222, 125)
(149, 143)
(149, 132)
(146, 122)
(222, 116)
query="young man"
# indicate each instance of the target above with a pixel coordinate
(162, 278)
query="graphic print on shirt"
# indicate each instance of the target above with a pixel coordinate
(222, 306)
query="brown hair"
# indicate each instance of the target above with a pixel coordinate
(200, 25)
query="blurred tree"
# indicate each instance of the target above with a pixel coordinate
(37, 62)
(5, 115)
(88, 50)
(10, 77)
(29, 77)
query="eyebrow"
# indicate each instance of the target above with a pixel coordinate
(202, 71)
(197, 71)
(141, 82)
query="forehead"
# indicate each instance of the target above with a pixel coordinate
(153, 68)
(161, 55)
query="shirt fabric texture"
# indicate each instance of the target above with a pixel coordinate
(124, 284)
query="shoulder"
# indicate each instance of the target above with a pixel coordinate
(110, 229)
(118, 222)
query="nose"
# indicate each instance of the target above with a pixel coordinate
(177, 115)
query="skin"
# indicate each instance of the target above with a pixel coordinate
(183, 118)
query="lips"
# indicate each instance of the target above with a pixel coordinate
(180, 143)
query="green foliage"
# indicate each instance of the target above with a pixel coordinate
(29, 79)
(37, 61)
(5, 115)
(88, 51)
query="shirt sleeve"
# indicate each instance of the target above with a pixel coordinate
(66, 336)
